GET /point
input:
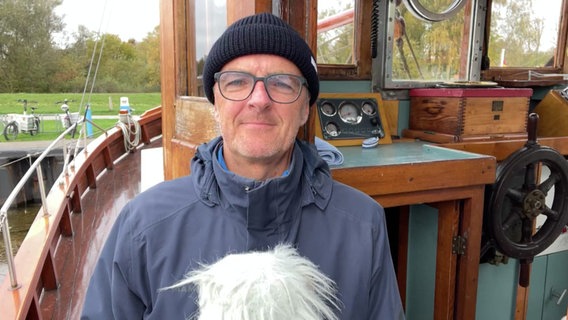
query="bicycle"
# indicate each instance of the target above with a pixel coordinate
(26, 123)
(67, 118)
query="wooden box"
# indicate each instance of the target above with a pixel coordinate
(468, 114)
(553, 115)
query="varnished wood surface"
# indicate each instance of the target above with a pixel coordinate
(402, 173)
(503, 148)
(407, 173)
(56, 259)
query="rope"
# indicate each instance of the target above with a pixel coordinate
(28, 156)
(131, 132)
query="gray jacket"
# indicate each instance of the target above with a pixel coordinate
(171, 228)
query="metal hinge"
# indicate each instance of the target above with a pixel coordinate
(458, 245)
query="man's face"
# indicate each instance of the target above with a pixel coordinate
(257, 129)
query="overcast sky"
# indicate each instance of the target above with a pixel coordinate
(129, 19)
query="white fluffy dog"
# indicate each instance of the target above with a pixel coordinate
(275, 285)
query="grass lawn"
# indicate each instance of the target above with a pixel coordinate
(48, 105)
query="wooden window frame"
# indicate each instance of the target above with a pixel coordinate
(361, 69)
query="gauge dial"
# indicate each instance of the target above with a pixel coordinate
(327, 109)
(332, 129)
(349, 113)
(369, 109)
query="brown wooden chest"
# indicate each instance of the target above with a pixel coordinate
(468, 114)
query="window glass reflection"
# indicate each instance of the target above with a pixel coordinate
(210, 22)
(335, 39)
(429, 51)
(524, 33)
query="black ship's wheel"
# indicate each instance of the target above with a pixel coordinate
(524, 182)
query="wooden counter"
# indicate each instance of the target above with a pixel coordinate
(453, 181)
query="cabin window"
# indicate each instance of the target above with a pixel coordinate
(335, 40)
(400, 44)
(527, 41)
(424, 42)
(523, 33)
(209, 27)
(210, 22)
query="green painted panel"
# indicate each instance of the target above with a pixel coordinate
(421, 274)
(536, 289)
(556, 281)
(496, 291)
(329, 86)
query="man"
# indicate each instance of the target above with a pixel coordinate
(251, 189)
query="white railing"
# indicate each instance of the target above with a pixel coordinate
(36, 166)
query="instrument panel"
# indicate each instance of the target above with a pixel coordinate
(346, 119)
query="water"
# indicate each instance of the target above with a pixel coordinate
(19, 220)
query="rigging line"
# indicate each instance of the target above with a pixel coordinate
(93, 59)
(103, 38)
(400, 46)
(88, 74)
(81, 105)
(20, 159)
(97, 69)
(413, 55)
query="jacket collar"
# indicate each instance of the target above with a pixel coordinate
(219, 187)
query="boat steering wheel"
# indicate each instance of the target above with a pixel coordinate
(519, 196)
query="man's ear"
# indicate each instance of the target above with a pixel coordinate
(215, 107)
(216, 113)
(306, 110)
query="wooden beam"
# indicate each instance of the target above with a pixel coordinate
(237, 9)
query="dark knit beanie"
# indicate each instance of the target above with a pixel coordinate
(263, 33)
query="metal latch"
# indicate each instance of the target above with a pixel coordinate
(458, 245)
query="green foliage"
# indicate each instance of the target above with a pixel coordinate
(27, 55)
(30, 61)
(517, 34)
(427, 50)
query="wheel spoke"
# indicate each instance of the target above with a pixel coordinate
(547, 184)
(551, 214)
(515, 195)
(527, 231)
(530, 177)
(511, 220)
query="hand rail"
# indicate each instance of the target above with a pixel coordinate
(5, 228)
(43, 290)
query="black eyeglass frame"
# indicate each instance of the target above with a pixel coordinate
(303, 83)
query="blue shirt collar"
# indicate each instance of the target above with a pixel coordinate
(224, 164)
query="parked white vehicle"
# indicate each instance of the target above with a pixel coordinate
(14, 123)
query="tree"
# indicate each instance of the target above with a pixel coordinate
(517, 33)
(31, 61)
(149, 55)
(27, 55)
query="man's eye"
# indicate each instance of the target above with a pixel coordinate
(236, 82)
(282, 85)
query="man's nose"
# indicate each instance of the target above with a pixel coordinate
(259, 96)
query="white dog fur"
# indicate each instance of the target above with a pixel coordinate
(274, 285)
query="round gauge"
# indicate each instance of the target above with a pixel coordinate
(368, 109)
(332, 129)
(349, 113)
(328, 109)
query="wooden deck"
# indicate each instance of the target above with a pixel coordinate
(57, 258)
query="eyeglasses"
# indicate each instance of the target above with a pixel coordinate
(238, 86)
